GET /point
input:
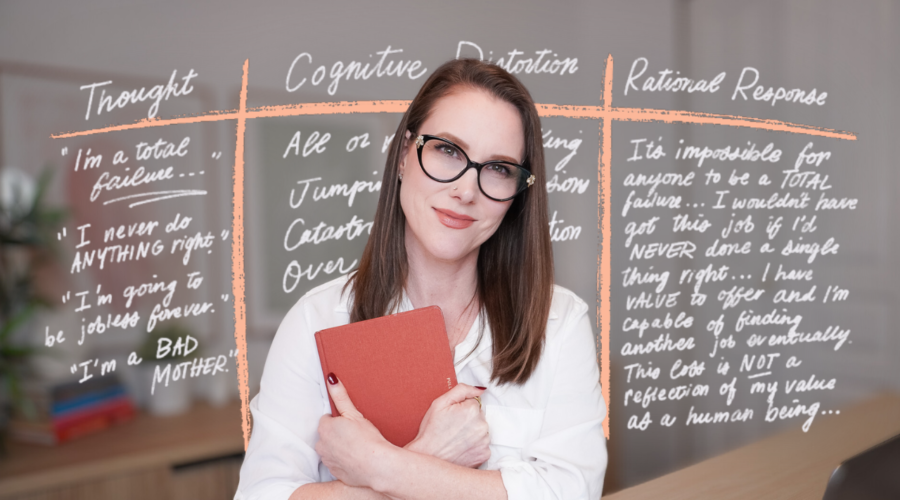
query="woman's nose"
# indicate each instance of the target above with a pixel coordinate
(466, 187)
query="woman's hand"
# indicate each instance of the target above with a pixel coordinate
(349, 445)
(454, 429)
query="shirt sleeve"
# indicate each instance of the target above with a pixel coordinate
(568, 459)
(281, 456)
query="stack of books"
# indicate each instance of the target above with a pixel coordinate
(55, 412)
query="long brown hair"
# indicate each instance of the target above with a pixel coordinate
(515, 265)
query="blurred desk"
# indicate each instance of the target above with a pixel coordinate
(789, 465)
(148, 457)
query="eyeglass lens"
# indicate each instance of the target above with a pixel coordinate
(445, 161)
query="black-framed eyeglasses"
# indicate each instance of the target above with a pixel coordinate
(443, 161)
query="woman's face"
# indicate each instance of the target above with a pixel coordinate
(449, 221)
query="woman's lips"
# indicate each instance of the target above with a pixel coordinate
(453, 220)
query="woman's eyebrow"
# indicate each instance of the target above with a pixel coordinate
(461, 143)
(456, 140)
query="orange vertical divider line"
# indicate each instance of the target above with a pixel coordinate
(604, 267)
(237, 261)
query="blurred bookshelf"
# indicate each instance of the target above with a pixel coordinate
(194, 455)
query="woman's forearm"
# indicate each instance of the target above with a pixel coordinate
(407, 475)
(335, 490)
(357, 454)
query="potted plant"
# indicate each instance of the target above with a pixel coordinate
(27, 230)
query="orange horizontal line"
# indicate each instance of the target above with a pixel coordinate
(214, 116)
(565, 111)
(328, 108)
(544, 110)
(667, 116)
(310, 108)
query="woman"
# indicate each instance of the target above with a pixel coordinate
(461, 223)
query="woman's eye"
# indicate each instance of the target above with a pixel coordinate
(499, 168)
(448, 150)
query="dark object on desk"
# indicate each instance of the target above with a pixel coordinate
(393, 367)
(872, 475)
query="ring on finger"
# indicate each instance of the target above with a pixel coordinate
(477, 398)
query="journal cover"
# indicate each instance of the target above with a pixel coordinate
(393, 367)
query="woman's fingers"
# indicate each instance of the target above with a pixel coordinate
(341, 399)
(454, 428)
(459, 394)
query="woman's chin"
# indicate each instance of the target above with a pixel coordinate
(450, 254)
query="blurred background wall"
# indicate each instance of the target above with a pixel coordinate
(49, 49)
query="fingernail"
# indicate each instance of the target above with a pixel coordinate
(479, 387)
(332, 379)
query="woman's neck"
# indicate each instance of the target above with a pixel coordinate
(451, 286)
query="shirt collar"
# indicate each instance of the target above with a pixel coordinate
(461, 355)
(405, 305)
(466, 346)
(343, 306)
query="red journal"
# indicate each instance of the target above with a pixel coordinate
(393, 367)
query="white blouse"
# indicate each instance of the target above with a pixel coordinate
(546, 435)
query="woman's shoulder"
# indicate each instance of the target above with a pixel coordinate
(569, 322)
(569, 337)
(566, 305)
(327, 294)
(322, 307)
